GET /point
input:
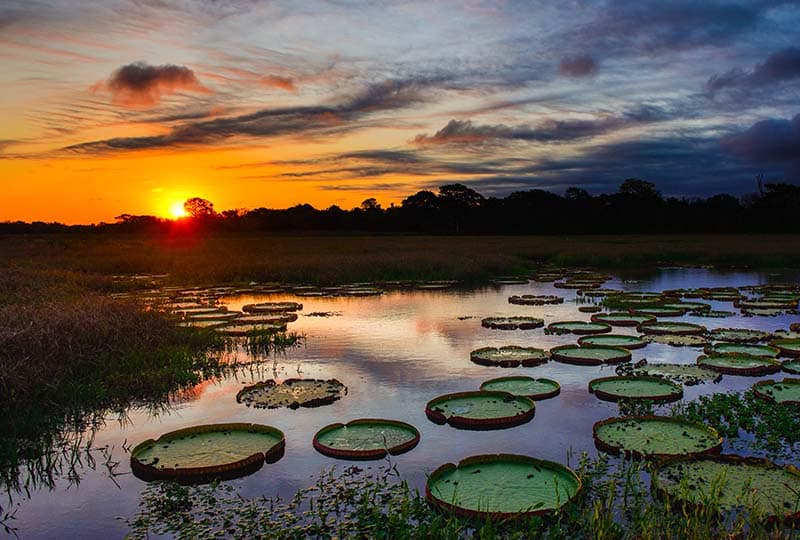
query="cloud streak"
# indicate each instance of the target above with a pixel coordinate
(142, 85)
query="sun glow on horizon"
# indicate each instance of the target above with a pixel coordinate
(177, 211)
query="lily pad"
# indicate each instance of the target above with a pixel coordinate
(271, 307)
(535, 299)
(655, 437)
(635, 387)
(792, 366)
(795, 327)
(785, 391)
(622, 319)
(686, 374)
(512, 323)
(536, 389)
(676, 340)
(788, 347)
(366, 438)
(215, 316)
(738, 335)
(578, 327)
(714, 314)
(267, 318)
(740, 364)
(660, 311)
(291, 393)
(590, 309)
(671, 328)
(502, 486)
(509, 356)
(480, 410)
(202, 453)
(590, 355)
(743, 348)
(694, 307)
(237, 330)
(732, 482)
(613, 340)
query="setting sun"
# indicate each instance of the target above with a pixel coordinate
(177, 211)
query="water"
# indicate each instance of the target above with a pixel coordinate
(394, 353)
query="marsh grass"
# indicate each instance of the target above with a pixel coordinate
(616, 504)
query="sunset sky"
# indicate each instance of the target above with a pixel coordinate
(127, 106)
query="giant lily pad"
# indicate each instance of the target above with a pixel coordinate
(686, 374)
(536, 389)
(291, 393)
(214, 316)
(655, 436)
(509, 356)
(237, 330)
(676, 340)
(512, 323)
(795, 327)
(578, 327)
(694, 307)
(788, 347)
(622, 319)
(535, 299)
(272, 307)
(501, 486)
(738, 335)
(743, 348)
(590, 355)
(635, 387)
(672, 328)
(660, 311)
(279, 318)
(792, 366)
(732, 482)
(366, 438)
(206, 452)
(613, 340)
(740, 364)
(480, 410)
(785, 391)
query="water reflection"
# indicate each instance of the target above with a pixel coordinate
(394, 353)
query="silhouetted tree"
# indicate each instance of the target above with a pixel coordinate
(199, 208)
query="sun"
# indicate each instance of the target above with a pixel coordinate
(177, 211)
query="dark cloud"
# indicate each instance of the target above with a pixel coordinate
(142, 85)
(779, 66)
(775, 141)
(581, 65)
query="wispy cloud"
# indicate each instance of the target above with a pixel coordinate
(782, 65)
(142, 85)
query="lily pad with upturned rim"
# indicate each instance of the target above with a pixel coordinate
(480, 410)
(536, 389)
(787, 347)
(743, 348)
(578, 327)
(655, 437)
(740, 364)
(590, 355)
(660, 311)
(738, 335)
(291, 393)
(366, 438)
(535, 299)
(512, 323)
(686, 374)
(271, 307)
(635, 387)
(203, 453)
(676, 340)
(791, 366)
(509, 356)
(502, 486)
(622, 318)
(671, 328)
(613, 340)
(236, 329)
(785, 391)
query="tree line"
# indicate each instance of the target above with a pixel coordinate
(636, 207)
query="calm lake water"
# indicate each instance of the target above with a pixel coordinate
(394, 353)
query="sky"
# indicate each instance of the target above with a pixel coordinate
(129, 106)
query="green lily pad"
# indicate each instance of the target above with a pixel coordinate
(535, 299)
(578, 327)
(536, 389)
(279, 318)
(366, 438)
(291, 393)
(635, 387)
(272, 307)
(613, 340)
(512, 323)
(792, 366)
(590, 355)
(732, 482)
(672, 328)
(201, 324)
(236, 329)
(655, 436)
(675, 340)
(788, 347)
(740, 364)
(202, 453)
(660, 311)
(743, 348)
(785, 391)
(686, 374)
(590, 309)
(694, 307)
(480, 410)
(738, 335)
(714, 314)
(622, 319)
(509, 356)
(502, 486)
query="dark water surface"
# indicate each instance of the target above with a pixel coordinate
(394, 353)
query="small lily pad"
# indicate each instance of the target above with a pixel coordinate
(272, 307)
(480, 410)
(635, 387)
(535, 299)
(672, 328)
(578, 327)
(613, 340)
(590, 355)
(512, 323)
(536, 389)
(366, 438)
(622, 319)
(509, 356)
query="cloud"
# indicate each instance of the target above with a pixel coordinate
(780, 66)
(581, 65)
(275, 81)
(769, 141)
(142, 85)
